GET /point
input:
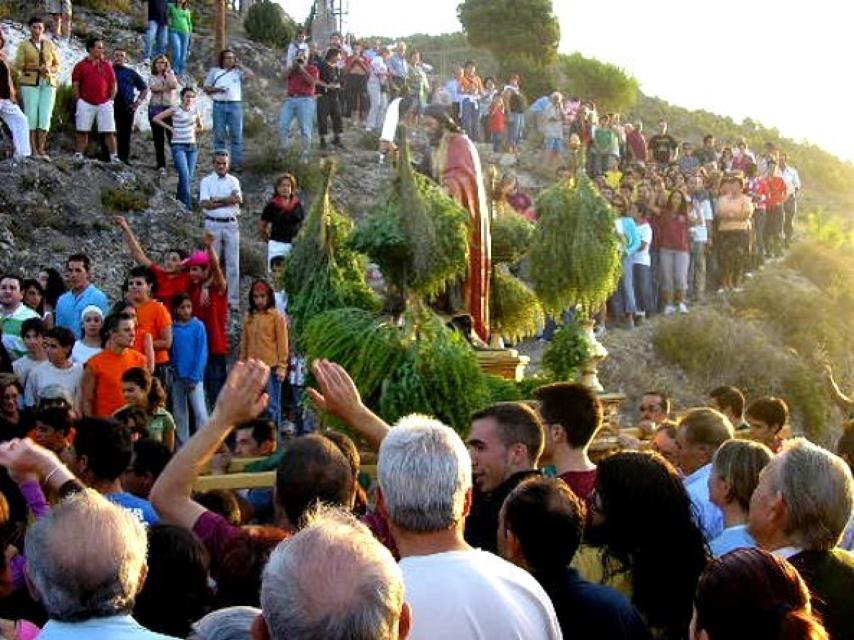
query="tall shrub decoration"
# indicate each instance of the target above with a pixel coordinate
(575, 252)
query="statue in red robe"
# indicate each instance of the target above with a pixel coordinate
(456, 166)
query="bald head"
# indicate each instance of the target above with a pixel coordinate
(332, 580)
(86, 558)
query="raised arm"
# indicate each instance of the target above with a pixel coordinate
(338, 395)
(135, 248)
(217, 276)
(242, 398)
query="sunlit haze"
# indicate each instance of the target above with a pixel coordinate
(786, 64)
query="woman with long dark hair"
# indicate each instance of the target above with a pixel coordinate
(750, 594)
(54, 286)
(674, 257)
(644, 541)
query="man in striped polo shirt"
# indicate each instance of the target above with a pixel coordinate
(12, 315)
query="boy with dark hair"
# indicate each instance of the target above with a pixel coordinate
(540, 529)
(572, 414)
(104, 451)
(32, 332)
(767, 416)
(149, 459)
(52, 428)
(730, 402)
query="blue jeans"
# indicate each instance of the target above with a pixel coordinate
(470, 116)
(180, 50)
(624, 298)
(181, 399)
(215, 374)
(644, 295)
(303, 110)
(514, 132)
(156, 37)
(228, 125)
(184, 156)
(274, 408)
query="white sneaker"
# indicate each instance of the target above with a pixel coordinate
(78, 156)
(669, 310)
(115, 159)
(683, 308)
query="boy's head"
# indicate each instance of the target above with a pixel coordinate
(52, 427)
(32, 331)
(572, 414)
(766, 417)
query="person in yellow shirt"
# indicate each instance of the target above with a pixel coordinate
(265, 338)
(38, 63)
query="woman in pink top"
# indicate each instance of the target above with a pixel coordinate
(672, 239)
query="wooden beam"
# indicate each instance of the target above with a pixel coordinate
(265, 480)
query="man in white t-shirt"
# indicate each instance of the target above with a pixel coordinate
(220, 196)
(455, 591)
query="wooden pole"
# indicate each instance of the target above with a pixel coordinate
(220, 27)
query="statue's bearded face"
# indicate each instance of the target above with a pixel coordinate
(433, 129)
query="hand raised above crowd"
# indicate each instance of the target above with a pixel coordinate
(27, 461)
(243, 397)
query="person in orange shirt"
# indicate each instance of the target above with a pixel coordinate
(102, 376)
(152, 318)
(265, 338)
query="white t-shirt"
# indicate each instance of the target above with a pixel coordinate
(22, 367)
(700, 232)
(213, 187)
(379, 70)
(641, 256)
(228, 79)
(82, 352)
(46, 374)
(475, 595)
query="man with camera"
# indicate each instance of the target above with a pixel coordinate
(302, 79)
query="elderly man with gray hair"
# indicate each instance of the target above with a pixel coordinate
(332, 580)
(86, 562)
(799, 510)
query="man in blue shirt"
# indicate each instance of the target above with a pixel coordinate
(82, 293)
(540, 529)
(131, 91)
(701, 433)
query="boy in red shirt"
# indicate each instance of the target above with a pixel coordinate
(775, 217)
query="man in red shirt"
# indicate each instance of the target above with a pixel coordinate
(209, 294)
(93, 83)
(572, 415)
(302, 78)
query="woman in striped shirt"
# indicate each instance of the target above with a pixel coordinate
(186, 121)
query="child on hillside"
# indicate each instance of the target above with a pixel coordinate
(189, 358)
(265, 338)
(497, 123)
(142, 390)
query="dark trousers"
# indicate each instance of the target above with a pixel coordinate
(160, 136)
(124, 127)
(790, 209)
(215, 374)
(329, 104)
(356, 96)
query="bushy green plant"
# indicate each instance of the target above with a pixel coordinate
(612, 87)
(511, 237)
(417, 234)
(266, 22)
(122, 199)
(575, 250)
(322, 273)
(515, 310)
(568, 350)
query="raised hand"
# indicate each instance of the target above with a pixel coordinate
(243, 397)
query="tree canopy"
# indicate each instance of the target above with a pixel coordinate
(612, 88)
(509, 28)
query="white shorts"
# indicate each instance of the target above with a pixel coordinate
(87, 114)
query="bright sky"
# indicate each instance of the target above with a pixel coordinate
(772, 61)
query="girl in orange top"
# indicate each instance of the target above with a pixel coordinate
(265, 338)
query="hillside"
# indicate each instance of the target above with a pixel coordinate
(771, 338)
